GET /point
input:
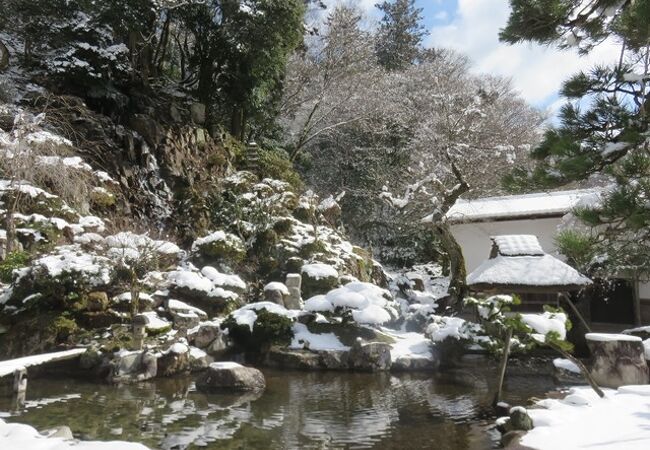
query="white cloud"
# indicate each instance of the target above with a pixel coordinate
(537, 71)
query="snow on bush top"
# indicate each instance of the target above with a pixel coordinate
(545, 323)
(218, 236)
(71, 259)
(246, 315)
(318, 271)
(191, 279)
(369, 304)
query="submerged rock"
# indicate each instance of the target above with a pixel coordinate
(230, 376)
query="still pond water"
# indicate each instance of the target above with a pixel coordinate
(305, 410)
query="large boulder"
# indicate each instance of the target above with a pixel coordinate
(175, 360)
(372, 356)
(617, 359)
(276, 292)
(130, 367)
(230, 376)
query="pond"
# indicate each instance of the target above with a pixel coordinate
(306, 410)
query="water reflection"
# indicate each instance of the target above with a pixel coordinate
(298, 410)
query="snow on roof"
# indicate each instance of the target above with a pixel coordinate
(517, 245)
(548, 204)
(533, 271)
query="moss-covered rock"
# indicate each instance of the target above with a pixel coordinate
(269, 329)
(318, 279)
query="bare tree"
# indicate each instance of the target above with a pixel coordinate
(32, 158)
(329, 84)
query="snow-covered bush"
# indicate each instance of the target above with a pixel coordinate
(362, 303)
(220, 246)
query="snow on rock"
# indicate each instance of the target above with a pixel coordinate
(318, 271)
(545, 323)
(223, 280)
(277, 286)
(303, 338)
(155, 323)
(19, 436)
(246, 315)
(607, 337)
(583, 420)
(182, 307)
(646, 349)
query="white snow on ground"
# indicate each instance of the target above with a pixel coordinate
(321, 341)
(582, 420)
(566, 364)
(409, 345)
(8, 367)
(18, 436)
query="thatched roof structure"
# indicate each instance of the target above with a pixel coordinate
(518, 264)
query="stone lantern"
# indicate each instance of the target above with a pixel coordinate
(140, 323)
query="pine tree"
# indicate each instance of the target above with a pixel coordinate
(603, 128)
(400, 34)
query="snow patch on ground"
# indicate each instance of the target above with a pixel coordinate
(583, 420)
(19, 436)
(314, 341)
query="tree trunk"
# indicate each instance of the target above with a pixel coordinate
(636, 301)
(10, 226)
(503, 365)
(583, 370)
(457, 271)
(4, 56)
(237, 122)
(573, 307)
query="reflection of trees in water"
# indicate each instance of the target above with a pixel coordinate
(298, 410)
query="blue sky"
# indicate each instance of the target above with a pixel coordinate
(472, 27)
